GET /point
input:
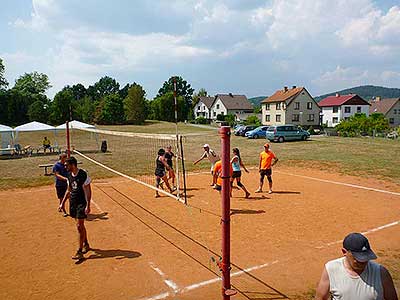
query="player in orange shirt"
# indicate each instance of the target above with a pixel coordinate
(217, 173)
(267, 160)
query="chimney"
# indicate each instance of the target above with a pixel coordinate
(337, 94)
(230, 94)
(293, 87)
(377, 98)
(285, 88)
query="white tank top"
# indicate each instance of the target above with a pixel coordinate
(343, 286)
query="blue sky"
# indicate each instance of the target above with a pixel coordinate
(249, 47)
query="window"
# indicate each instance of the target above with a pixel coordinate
(347, 109)
(346, 118)
(309, 105)
(335, 109)
(296, 118)
(359, 109)
(335, 120)
(278, 106)
(311, 118)
(297, 105)
(222, 113)
(278, 118)
(217, 106)
(214, 113)
(267, 106)
(267, 118)
(395, 111)
(391, 121)
(199, 108)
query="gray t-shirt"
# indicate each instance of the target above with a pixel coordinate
(343, 286)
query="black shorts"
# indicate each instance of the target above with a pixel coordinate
(159, 173)
(77, 211)
(265, 172)
(236, 174)
(61, 190)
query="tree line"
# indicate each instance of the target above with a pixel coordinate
(104, 102)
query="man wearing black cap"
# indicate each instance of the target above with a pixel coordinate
(354, 276)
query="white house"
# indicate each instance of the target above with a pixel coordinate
(203, 107)
(341, 107)
(236, 105)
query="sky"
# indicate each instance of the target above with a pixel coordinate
(249, 47)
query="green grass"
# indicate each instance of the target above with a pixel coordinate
(365, 157)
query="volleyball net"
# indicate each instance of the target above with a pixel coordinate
(133, 156)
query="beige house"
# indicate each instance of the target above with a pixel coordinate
(290, 106)
(389, 107)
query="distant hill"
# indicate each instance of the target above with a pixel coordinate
(366, 91)
(256, 101)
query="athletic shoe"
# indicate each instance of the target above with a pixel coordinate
(247, 195)
(86, 248)
(270, 192)
(78, 255)
(258, 191)
(173, 189)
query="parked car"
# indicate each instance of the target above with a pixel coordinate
(288, 132)
(237, 128)
(242, 131)
(256, 133)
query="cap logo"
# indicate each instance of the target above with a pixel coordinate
(364, 248)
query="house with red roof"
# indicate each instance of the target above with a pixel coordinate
(389, 107)
(341, 107)
(290, 106)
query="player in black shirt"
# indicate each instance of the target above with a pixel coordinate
(169, 155)
(161, 165)
(80, 194)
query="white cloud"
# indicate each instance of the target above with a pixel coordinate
(377, 31)
(42, 11)
(341, 78)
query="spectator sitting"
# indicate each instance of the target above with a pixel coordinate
(46, 144)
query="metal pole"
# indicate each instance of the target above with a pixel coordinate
(177, 141)
(183, 170)
(225, 133)
(68, 144)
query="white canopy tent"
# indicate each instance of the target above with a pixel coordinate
(6, 136)
(75, 125)
(34, 126)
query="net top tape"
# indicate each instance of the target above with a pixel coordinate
(131, 134)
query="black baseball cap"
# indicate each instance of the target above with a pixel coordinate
(359, 247)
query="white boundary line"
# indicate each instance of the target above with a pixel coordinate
(365, 233)
(203, 283)
(129, 177)
(167, 281)
(341, 183)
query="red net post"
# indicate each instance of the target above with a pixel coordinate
(68, 140)
(225, 133)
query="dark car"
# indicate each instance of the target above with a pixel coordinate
(242, 131)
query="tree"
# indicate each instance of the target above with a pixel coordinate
(135, 105)
(252, 120)
(85, 110)
(3, 80)
(61, 106)
(162, 108)
(123, 93)
(105, 86)
(32, 84)
(110, 110)
(37, 111)
(183, 89)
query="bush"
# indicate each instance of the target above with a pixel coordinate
(201, 120)
(252, 120)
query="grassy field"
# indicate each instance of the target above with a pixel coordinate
(365, 157)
